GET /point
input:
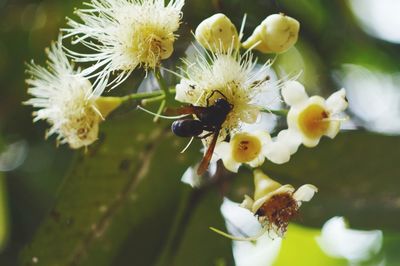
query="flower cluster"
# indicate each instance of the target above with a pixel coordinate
(223, 72)
(228, 94)
(123, 35)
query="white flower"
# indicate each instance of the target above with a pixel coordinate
(337, 240)
(313, 117)
(276, 34)
(285, 144)
(253, 148)
(230, 76)
(276, 204)
(217, 33)
(243, 147)
(125, 34)
(64, 100)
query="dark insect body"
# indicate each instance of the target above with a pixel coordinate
(209, 120)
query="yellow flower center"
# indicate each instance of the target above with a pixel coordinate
(312, 121)
(151, 43)
(245, 147)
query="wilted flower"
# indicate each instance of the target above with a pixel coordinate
(274, 204)
(217, 33)
(66, 101)
(126, 34)
(313, 117)
(276, 34)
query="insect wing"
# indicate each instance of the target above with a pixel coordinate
(207, 157)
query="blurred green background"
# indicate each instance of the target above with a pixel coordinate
(121, 204)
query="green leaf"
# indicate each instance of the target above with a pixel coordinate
(299, 247)
(357, 175)
(119, 204)
(4, 215)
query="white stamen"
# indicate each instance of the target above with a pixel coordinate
(162, 116)
(187, 146)
(252, 238)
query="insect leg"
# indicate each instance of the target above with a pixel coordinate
(212, 94)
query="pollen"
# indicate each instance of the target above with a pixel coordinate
(312, 121)
(246, 147)
(279, 210)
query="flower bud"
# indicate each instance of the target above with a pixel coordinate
(276, 34)
(217, 33)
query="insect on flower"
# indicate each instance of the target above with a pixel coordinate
(209, 118)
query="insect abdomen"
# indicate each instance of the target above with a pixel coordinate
(187, 128)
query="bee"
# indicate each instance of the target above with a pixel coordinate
(209, 120)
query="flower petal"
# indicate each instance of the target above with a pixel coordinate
(291, 138)
(333, 129)
(247, 203)
(337, 102)
(310, 142)
(277, 152)
(293, 93)
(305, 193)
(186, 92)
(264, 137)
(222, 150)
(231, 164)
(191, 177)
(257, 161)
(339, 241)
(243, 219)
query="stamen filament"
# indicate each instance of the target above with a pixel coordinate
(339, 119)
(161, 116)
(187, 146)
(252, 238)
(282, 112)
